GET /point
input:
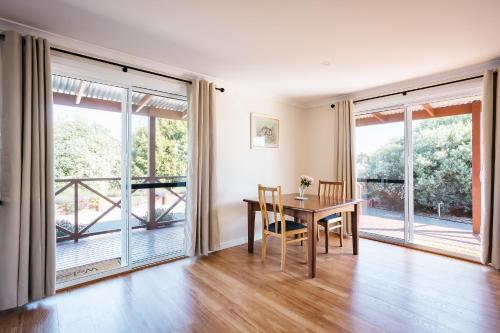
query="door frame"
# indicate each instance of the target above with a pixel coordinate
(113, 77)
(162, 257)
(408, 240)
(384, 238)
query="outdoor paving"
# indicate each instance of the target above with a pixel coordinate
(437, 233)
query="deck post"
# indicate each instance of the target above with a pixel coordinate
(476, 167)
(152, 224)
(75, 203)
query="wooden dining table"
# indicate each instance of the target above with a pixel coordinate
(309, 211)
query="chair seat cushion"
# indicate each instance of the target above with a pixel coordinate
(330, 217)
(290, 225)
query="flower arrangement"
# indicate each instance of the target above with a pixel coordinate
(306, 181)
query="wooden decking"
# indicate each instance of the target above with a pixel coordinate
(144, 244)
(448, 236)
(385, 288)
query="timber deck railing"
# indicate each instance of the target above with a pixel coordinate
(151, 221)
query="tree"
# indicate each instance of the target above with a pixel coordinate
(171, 149)
(442, 164)
(85, 150)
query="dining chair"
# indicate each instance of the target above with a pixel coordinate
(332, 191)
(278, 227)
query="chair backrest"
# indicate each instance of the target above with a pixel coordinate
(329, 189)
(276, 207)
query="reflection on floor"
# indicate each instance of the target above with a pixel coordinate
(437, 233)
(99, 249)
(385, 288)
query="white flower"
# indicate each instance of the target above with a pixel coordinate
(306, 181)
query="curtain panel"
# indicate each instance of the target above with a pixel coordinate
(27, 226)
(202, 226)
(344, 165)
(490, 152)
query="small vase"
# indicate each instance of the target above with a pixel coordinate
(301, 191)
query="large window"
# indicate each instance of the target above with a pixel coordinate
(110, 143)
(419, 172)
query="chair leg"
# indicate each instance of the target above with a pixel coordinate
(327, 227)
(283, 253)
(317, 233)
(341, 234)
(264, 247)
(305, 249)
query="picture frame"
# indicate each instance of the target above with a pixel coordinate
(264, 131)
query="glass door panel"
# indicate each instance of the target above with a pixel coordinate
(380, 147)
(446, 169)
(158, 169)
(88, 177)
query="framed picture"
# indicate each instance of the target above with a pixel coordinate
(264, 131)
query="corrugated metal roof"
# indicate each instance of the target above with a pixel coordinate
(419, 107)
(70, 86)
(450, 102)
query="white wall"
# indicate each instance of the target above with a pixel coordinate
(240, 169)
(318, 153)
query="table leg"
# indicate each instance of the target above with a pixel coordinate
(354, 228)
(251, 227)
(311, 245)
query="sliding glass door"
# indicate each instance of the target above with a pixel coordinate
(381, 172)
(89, 182)
(158, 181)
(419, 174)
(121, 159)
(445, 170)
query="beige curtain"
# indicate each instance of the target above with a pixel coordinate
(202, 227)
(344, 151)
(27, 227)
(490, 152)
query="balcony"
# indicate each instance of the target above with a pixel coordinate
(89, 223)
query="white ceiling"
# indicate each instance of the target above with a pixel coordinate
(301, 50)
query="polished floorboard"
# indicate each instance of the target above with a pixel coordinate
(386, 288)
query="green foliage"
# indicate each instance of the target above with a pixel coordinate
(68, 226)
(159, 212)
(140, 152)
(85, 150)
(171, 149)
(442, 165)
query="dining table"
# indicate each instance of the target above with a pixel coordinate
(309, 211)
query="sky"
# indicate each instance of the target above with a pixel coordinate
(370, 138)
(112, 121)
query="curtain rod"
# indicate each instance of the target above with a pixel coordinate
(404, 92)
(125, 68)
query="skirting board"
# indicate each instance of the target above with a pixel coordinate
(238, 241)
(244, 240)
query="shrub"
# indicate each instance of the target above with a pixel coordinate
(158, 212)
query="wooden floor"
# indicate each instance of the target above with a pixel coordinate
(385, 289)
